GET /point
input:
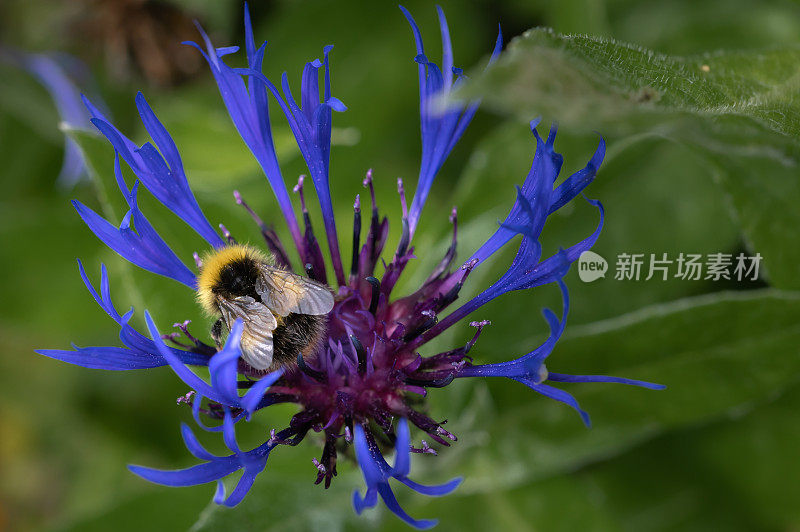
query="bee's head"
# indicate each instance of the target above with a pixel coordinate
(237, 278)
(228, 272)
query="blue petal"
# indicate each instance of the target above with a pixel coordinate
(139, 352)
(369, 501)
(74, 168)
(432, 491)
(402, 461)
(223, 366)
(144, 247)
(562, 377)
(527, 366)
(196, 403)
(249, 112)
(121, 144)
(253, 397)
(391, 502)
(241, 489)
(138, 342)
(440, 129)
(229, 432)
(158, 133)
(164, 178)
(219, 495)
(309, 89)
(104, 301)
(193, 445)
(369, 467)
(549, 267)
(311, 127)
(131, 246)
(533, 198)
(216, 468)
(558, 395)
(447, 50)
(578, 181)
(192, 476)
(377, 473)
(108, 358)
(336, 104)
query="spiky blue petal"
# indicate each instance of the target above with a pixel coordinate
(310, 124)
(529, 369)
(377, 472)
(574, 184)
(139, 352)
(537, 192)
(563, 377)
(161, 173)
(216, 468)
(440, 128)
(140, 244)
(249, 111)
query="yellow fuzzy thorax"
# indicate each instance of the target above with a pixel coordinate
(214, 262)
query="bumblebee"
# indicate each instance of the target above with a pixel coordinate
(284, 314)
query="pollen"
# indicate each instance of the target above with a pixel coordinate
(213, 264)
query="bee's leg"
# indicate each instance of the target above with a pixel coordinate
(219, 331)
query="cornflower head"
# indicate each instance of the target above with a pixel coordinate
(359, 387)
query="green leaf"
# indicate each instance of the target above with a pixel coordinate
(737, 473)
(738, 109)
(585, 80)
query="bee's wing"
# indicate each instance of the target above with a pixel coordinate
(259, 322)
(285, 293)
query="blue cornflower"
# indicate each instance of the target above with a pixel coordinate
(356, 387)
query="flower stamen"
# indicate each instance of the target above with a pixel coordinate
(356, 238)
(314, 262)
(270, 236)
(305, 368)
(227, 234)
(375, 293)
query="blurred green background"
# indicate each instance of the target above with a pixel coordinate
(694, 165)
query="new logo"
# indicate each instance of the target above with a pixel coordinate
(591, 266)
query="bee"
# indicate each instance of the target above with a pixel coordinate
(284, 314)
